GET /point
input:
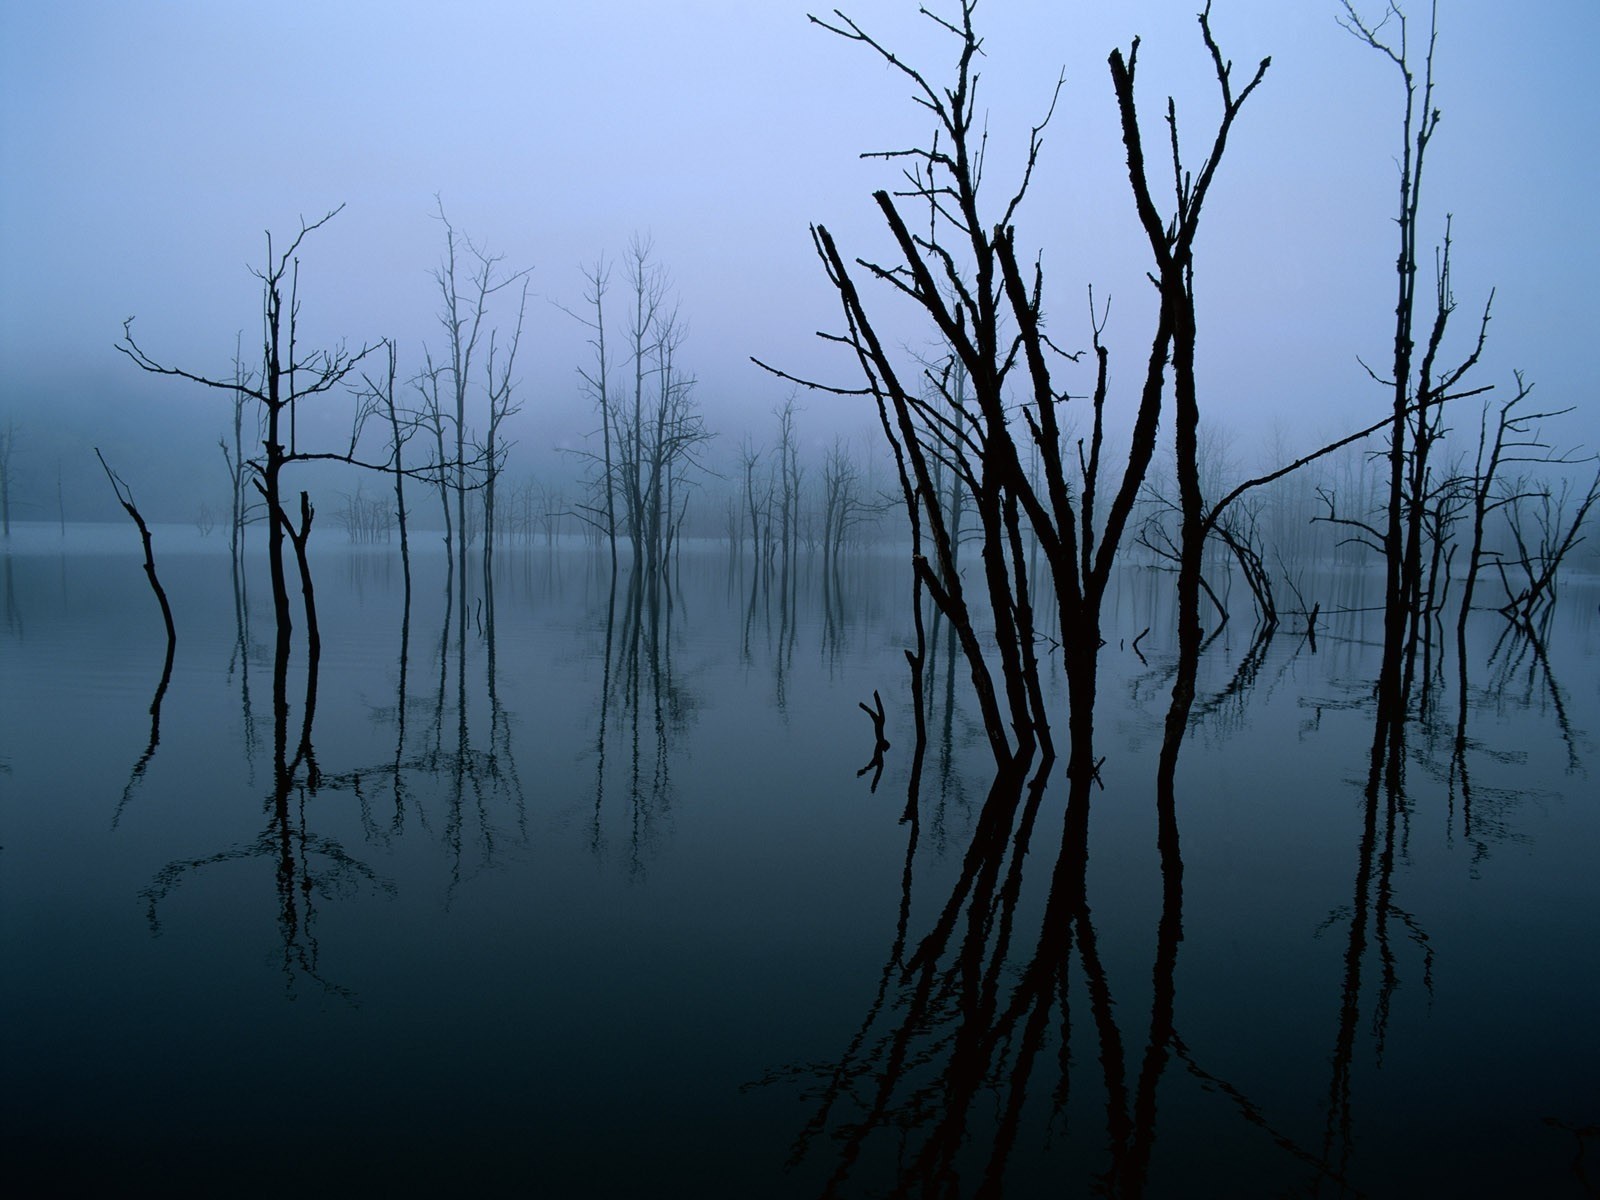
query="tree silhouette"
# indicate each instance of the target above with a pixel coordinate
(289, 376)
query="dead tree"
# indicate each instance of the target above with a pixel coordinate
(431, 419)
(840, 500)
(648, 284)
(1517, 438)
(289, 376)
(1171, 241)
(1419, 386)
(655, 434)
(963, 270)
(500, 390)
(401, 429)
(125, 498)
(468, 278)
(1555, 530)
(8, 444)
(756, 503)
(789, 472)
(234, 458)
(596, 384)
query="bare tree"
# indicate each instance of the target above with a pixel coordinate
(125, 498)
(1543, 540)
(648, 285)
(963, 271)
(1518, 439)
(596, 383)
(789, 472)
(402, 426)
(467, 278)
(234, 458)
(500, 388)
(8, 445)
(1172, 247)
(755, 502)
(289, 376)
(1420, 387)
(432, 420)
(657, 431)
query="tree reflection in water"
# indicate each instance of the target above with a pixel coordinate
(1029, 1027)
(968, 1059)
(307, 867)
(642, 699)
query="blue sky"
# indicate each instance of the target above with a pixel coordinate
(146, 147)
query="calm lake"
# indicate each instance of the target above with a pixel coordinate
(580, 896)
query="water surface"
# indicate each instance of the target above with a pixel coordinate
(576, 895)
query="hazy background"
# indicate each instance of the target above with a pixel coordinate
(147, 147)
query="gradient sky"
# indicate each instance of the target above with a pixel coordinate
(147, 146)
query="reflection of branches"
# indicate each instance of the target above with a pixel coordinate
(1372, 912)
(1527, 643)
(125, 498)
(291, 848)
(1245, 675)
(641, 691)
(852, 1068)
(964, 1019)
(288, 843)
(1252, 1113)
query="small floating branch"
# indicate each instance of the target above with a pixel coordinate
(875, 764)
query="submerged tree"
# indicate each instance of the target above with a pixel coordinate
(602, 512)
(468, 278)
(653, 430)
(288, 377)
(964, 273)
(8, 445)
(380, 395)
(1420, 386)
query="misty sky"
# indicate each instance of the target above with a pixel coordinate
(147, 146)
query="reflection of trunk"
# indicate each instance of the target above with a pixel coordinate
(1169, 931)
(287, 841)
(140, 767)
(444, 662)
(1459, 775)
(400, 701)
(595, 840)
(13, 613)
(459, 765)
(1373, 914)
(1338, 1129)
(299, 537)
(917, 658)
(961, 1026)
(303, 864)
(8, 440)
(241, 656)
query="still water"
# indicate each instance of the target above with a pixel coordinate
(574, 896)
